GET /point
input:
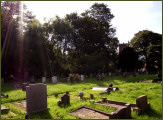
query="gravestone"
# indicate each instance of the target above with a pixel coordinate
(99, 77)
(104, 99)
(43, 79)
(91, 96)
(82, 77)
(56, 94)
(142, 103)
(36, 98)
(54, 79)
(64, 79)
(103, 75)
(24, 86)
(81, 94)
(2, 81)
(59, 103)
(65, 99)
(67, 92)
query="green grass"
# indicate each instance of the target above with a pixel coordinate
(128, 92)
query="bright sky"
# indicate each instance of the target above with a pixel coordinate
(130, 16)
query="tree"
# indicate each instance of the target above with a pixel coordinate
(94, 33)
(145, 43)
(128, 59)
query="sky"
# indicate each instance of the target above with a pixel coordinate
(130, 16)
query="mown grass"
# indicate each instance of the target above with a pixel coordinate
(128, 92)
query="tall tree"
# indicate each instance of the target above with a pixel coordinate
(145, 43)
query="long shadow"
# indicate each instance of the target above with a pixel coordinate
(41, 115)
(151, 113)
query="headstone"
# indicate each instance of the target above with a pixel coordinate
(56, 94)
(91, 96)
(82, 77)
(43, 79)
(64, 79)
(65, 99)
(36, 98)
(99, 77)
(91, 75)
(104, 99)
(24, 86)
(54, 79)
(103, 75)
(142, 103)
(81, 94)
(59, 102)
(111, 85)
(17, 85)
(2, 81)
(109, 73)
(67, 92)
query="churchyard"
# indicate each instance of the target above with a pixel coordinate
(67, 100)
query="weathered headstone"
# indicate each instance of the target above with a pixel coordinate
(142, 103)
(43, 79)
(82, 77)
(36, 98)
(65, 99)
(81, 94)
(54, 79)
(24, 86)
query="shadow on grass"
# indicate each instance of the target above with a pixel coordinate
(41, 115)
(151, 113)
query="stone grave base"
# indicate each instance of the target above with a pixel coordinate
(85, 112)
(4, 109)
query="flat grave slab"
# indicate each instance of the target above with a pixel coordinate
(100, 88)
(85, 112)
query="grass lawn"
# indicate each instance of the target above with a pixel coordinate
(128, 93)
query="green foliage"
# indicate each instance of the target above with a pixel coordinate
(149, 46)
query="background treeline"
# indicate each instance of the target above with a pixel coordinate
(84, 44)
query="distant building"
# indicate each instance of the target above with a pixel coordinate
(121, 46)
